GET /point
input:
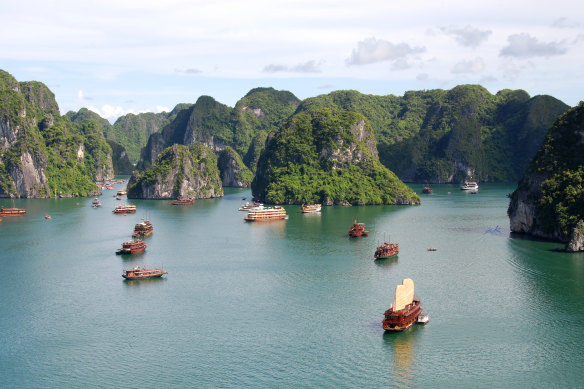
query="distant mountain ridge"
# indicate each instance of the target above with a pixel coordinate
(217, 125)
(442, 136)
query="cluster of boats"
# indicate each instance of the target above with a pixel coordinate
(141, 230)
(406, 309)
(386, 250)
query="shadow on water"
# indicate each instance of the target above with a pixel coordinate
(386, 262)
(144, 283)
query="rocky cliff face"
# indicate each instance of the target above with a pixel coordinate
(179, 171)
(219, 126)
(577, 239)
(549, 200)
(446, 136)
(42, 152)
(326, 156)
(234, 173)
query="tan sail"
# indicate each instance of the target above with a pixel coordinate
(404, 294)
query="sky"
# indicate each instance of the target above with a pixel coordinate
(131, 56)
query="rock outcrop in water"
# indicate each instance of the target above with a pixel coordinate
(326, 156)
(217, 125)
(549, 200)
(42, 153)
(445, 136)
(185, 171)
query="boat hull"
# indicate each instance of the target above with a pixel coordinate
(403, 319)
(385, 256)
(142, 277)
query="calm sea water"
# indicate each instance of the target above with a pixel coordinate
(291, 303)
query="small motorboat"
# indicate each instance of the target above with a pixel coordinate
(422, 318)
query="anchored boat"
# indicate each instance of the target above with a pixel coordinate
(358, 229)
(138, 273)
(132, 247)
(311, 208)
(183, 201)
(142, 229)
(386, 250)
(470, 185)
(125, 209)
(12, 211)
(405, 310)
(263, 214)
(249, 206)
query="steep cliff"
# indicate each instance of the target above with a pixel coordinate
(121, 162)
(327, 156)
(549, 200)
(42, 153)
(217, 125)
(186, 171)
(444, 136)
(233, 171)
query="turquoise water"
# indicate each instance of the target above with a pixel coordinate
(291, 303)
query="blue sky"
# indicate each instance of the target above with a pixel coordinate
(116, 57)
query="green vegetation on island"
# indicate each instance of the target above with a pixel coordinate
(43, 153)
(549, 200)
(326, 156)
(186, 171)
(448, 135)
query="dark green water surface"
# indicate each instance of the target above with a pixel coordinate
(291, 303)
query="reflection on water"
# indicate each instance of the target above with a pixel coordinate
(143, 283)
(386, 262)
(403, 347)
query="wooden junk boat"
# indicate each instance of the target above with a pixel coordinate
(263, 214)
(358, 229)
(95, 203)
(386, 250)
(138, 273)
(311, 208)
(406, 308)
(12, 211)
(125, 209)
(132, 247)
(183, 201)
(427, 190)
(142, 229)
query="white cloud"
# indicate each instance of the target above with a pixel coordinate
(306, 67)
(525, 46)
(468, 36)
(564, 23)
(372, 50)
(474, 66)
(110, 113)
(400, 64)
